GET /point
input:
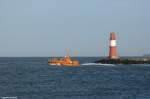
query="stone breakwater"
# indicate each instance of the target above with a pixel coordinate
(129, 60)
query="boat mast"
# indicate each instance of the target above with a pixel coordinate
(68, 52)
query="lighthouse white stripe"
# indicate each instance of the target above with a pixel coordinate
(112, 42)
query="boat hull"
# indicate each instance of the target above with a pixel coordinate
(62, 63)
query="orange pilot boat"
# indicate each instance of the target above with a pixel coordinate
(66, 61)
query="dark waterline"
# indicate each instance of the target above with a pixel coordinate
(33, 78)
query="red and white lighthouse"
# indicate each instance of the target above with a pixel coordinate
(112, 46)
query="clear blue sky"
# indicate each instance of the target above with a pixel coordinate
(48, 27)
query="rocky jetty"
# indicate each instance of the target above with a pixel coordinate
(130, 60)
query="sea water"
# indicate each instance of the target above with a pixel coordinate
(33, 78)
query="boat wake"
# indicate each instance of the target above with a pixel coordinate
(98, 64)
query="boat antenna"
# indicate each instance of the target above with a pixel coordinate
(76, 53)
(68, 52)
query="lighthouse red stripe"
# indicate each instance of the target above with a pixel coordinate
(112, 36)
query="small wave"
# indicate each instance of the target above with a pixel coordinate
(53, 64)
(43, 75)
(90, 64)
(98, 64)
(141, 65)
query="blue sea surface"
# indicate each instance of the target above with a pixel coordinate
(33, 78)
